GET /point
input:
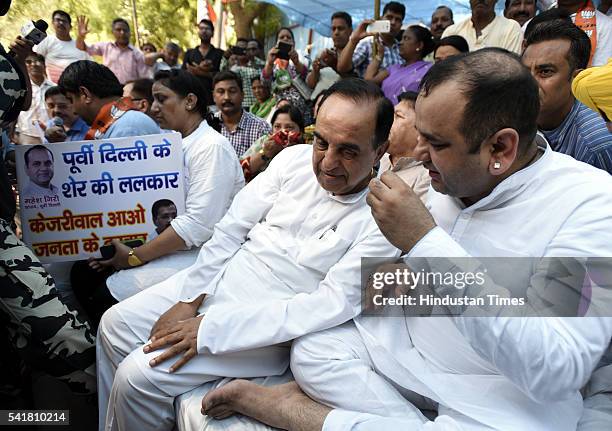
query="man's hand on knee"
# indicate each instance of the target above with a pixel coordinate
(176, 313)
(182, 338)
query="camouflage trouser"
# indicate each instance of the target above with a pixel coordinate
(49, 335)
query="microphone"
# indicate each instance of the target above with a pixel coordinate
(33, 32)
(57, 121)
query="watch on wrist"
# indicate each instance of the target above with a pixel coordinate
(263, 156)
(134, 260)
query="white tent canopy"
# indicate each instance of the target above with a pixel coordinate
(315, 14)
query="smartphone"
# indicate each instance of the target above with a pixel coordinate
(380, 26)
(283, 50)
(236, 50)
(108, 251)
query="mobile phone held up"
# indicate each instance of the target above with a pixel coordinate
(108, 251)
(380, 26)
(283, 50)
(237, 50)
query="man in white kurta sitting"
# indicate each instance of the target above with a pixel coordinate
(283, 262)
(498, 191)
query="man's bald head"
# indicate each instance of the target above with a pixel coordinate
(499, 93)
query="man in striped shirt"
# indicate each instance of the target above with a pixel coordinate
(556, 51)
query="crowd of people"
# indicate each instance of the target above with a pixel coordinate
(489, 137)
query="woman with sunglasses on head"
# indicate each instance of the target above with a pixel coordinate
(212, 177)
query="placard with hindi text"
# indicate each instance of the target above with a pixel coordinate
(76, 197)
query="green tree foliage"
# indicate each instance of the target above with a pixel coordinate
(159, 21)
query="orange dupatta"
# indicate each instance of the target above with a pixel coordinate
(107, 115)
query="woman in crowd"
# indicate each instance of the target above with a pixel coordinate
(287, 130)
(265, 100)
(212, 177)
(415, 45)
(285, 74)
(449, 46)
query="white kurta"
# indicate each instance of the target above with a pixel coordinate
(502, 373)
(213, 176)
(284, 261)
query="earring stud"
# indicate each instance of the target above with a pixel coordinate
(496, 165)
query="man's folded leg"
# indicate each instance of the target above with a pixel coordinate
(334, 368)
(123, 328)
(134, 395)
(343, 420)
(142, 397)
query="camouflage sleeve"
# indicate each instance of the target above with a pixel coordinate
(47, 333)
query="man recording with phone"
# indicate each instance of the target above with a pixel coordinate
(356, 56)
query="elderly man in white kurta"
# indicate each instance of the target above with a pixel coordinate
(284, 261)
(497, 192)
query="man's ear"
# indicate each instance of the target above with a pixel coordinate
(504, 150)
(85, 94)
(142, 105)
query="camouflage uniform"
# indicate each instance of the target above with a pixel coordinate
(48, 334)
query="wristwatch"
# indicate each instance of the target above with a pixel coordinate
(263, 156)
(133, 260)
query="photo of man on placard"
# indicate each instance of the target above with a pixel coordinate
(39, 168)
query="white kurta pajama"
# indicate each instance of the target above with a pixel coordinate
(213, 176)
(500, 373)
(284, 261)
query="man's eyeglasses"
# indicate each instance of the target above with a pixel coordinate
(33, 61)
(60, 20)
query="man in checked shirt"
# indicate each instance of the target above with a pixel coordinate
(240, 127)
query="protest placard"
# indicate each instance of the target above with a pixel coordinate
(76, 197)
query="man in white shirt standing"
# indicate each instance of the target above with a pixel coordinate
(485, 29)
(498, 191)
(283, 262)
(59, 50)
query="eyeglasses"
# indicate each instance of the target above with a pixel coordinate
(36, 61)
(61, 20)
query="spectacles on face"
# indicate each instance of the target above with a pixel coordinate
(31, 62)
(60, 20)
